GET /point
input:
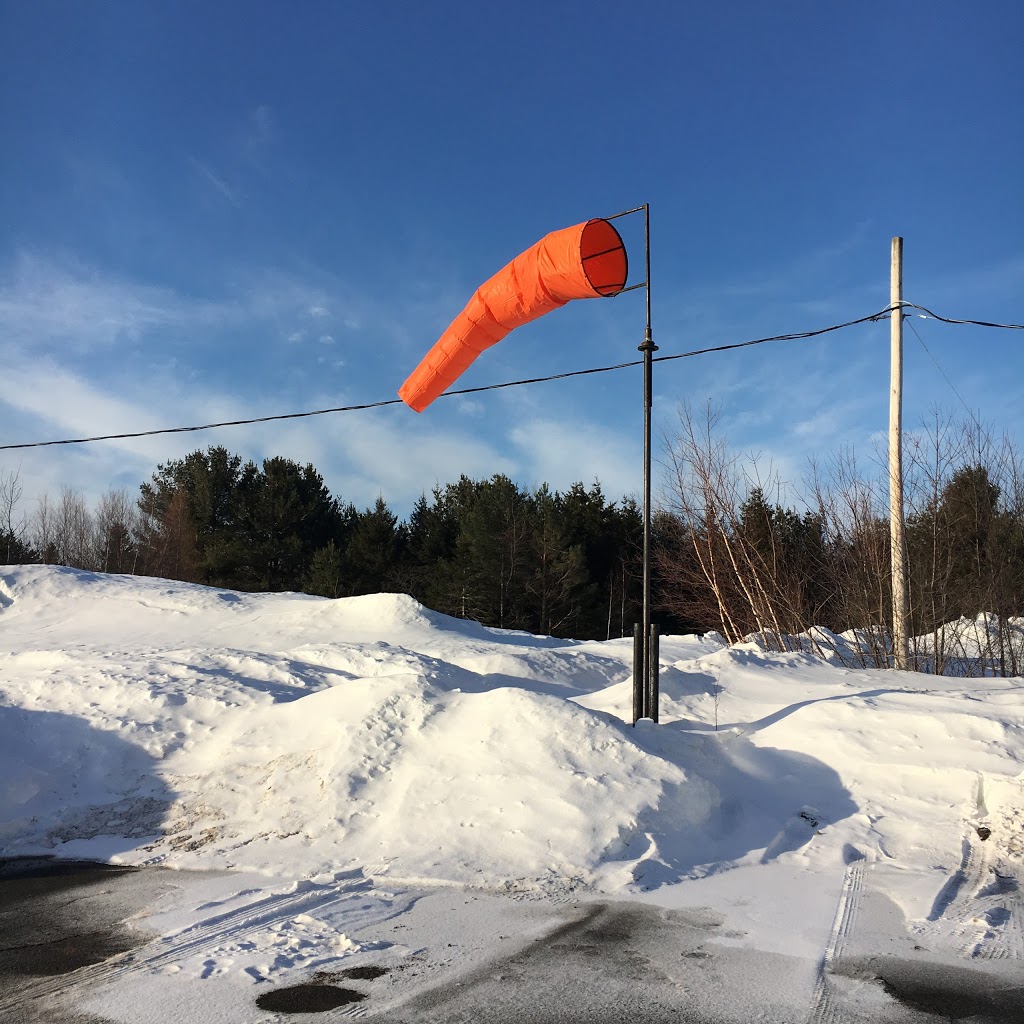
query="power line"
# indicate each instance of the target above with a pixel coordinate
(950, 320)
(204, 426)
(448, 394)
(795, 336)
(952, 386)
(880, 315)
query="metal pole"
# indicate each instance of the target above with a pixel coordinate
(653, 667)
(639, 692)
(897, 548)
(648, 348)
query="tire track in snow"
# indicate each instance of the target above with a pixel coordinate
(824, 1009)
(196, 939)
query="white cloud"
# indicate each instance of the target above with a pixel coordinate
(561, 452)
(41, 400)
(823, 425)
(65, 330)
(360, 455)
(43, 302)
(66, 305)
(401, 456)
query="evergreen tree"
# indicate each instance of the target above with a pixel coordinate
(374, 550)
(611, 539)
(445, 581)
(287, 515)
(491, 555)
(559, 583)
(209, 518)
(326, 575)
(208, 483)
(16, 551)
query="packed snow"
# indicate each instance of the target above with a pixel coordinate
(320, 773)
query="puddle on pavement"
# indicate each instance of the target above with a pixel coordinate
(320, 993)
(308, 998)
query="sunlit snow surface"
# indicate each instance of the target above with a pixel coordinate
(343, 764)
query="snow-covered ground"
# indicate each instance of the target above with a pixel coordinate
(364, 782)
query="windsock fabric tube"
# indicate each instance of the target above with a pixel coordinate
(582, 262)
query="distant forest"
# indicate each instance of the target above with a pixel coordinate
(562, 564)
(730, 553)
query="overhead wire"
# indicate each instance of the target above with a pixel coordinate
(952, 386)
(448, 394)
(794, 336)
(951, 320)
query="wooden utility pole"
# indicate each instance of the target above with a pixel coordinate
(897, 545)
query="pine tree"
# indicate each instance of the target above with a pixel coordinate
(207, 483)
(559, 583)
(287, 515)
(326, 575)
(491, 555)
(374, 550)
(15, 551)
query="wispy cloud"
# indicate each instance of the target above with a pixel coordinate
(260, 129)
(399, 456)
(63, 302)
(262, 126)
(41, 301)
(245, 148)
(562, 452)
(216, 181)
(41, 399)
(67, 331)
(68, 404)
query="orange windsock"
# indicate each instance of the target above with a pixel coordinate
(581, 262)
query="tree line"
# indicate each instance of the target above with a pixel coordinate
(550, 562)
(732, 552)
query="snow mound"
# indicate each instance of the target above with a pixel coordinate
(146, 721)
(505, 786)
(104, 604)
(191, 726)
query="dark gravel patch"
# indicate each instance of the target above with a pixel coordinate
(367, 973)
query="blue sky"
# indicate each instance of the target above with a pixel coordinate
(215, 211)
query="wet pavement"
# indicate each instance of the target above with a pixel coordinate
(56, 918)
(593, 961)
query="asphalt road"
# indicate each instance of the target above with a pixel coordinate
(57, 917)
(604, 963)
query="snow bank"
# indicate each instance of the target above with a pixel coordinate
(155, 722)
(169, 723)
